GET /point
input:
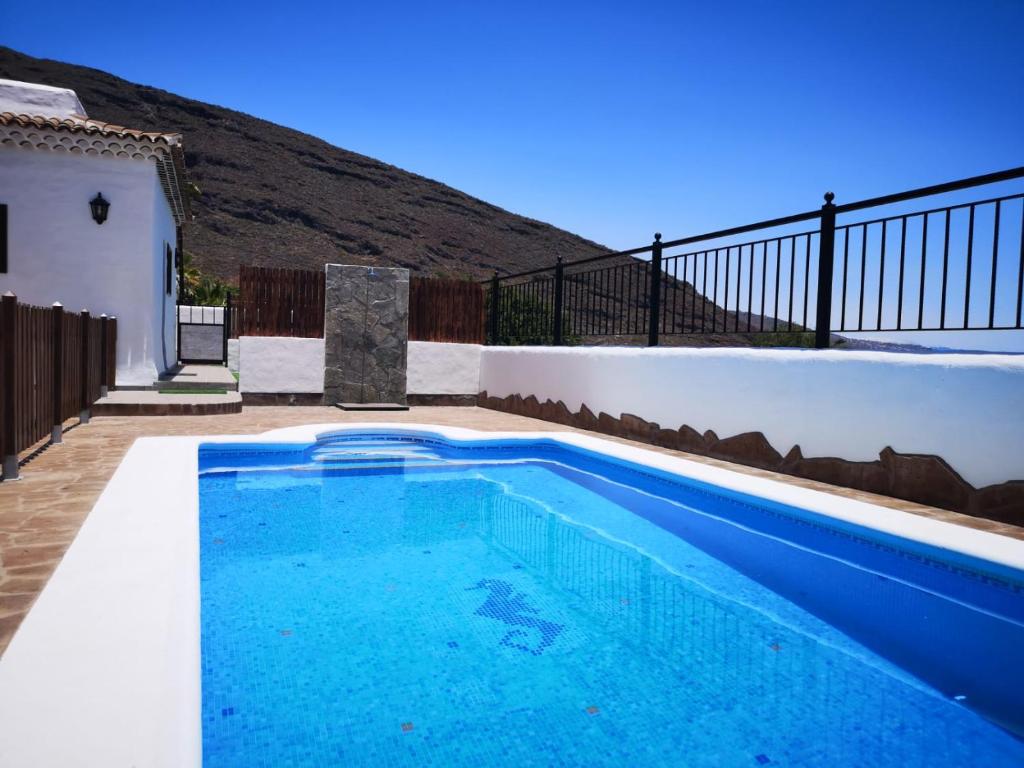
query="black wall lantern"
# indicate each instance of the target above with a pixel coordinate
(99, 208)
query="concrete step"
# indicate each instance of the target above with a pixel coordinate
(151, 403)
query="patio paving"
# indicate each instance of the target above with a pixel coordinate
(40, 514)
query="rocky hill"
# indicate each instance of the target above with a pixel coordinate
(274, 196)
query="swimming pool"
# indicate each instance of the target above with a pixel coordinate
(394, 598)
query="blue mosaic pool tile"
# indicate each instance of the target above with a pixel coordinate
(673, 666)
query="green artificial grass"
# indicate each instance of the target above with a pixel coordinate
(193, 391)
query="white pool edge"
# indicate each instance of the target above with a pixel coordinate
(105, 669)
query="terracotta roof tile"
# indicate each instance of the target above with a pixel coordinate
(88, 127)
(167, 149)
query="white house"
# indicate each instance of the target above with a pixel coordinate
(54, 161)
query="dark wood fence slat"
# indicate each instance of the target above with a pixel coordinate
(279, 302)
(290, 302)
(446, 310)
(38, 396)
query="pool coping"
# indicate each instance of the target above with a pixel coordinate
(105, 668)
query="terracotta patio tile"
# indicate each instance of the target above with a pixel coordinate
(23, 585)
(15, 604)
(40, 515)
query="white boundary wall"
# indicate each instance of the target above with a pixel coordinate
(967, 409)
(233, 352)
(280, 364)
(437, 368)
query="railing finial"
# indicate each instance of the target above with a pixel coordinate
(829, 197)
(657, 237)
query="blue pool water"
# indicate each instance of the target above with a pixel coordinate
(384, 600)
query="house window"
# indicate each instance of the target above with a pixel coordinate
(168, 269)
(179, 276)
(3, 238)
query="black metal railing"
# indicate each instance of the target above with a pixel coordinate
(952, 267)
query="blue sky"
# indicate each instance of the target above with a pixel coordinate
(612, 120)
(608, 119)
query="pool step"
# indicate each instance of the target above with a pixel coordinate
(382, 464)
(371, 458)
(371, 452)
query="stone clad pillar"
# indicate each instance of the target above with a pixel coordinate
(366, 334)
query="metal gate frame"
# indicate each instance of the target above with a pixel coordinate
(226, 330)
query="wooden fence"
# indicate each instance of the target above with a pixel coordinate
(290, 302)
(446, 310)
(278, 302)
(53, 366)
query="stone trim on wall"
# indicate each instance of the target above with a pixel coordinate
(423, 399)
(282, 398)
(315, 398)
(919, 478)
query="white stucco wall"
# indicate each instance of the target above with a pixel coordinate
(968, 409)
(233, 355)
(280, 364)
(56, 252)
(443, 369)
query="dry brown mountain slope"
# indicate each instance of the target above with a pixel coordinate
(274, 196)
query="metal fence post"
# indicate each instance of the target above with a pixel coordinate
(495, 299)
(826, 248)
(57, 431)
(103, 355)
(8, 341)
(655, 299)
(559, 301)
(83, 414)
(177, 325)
(227, 326)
